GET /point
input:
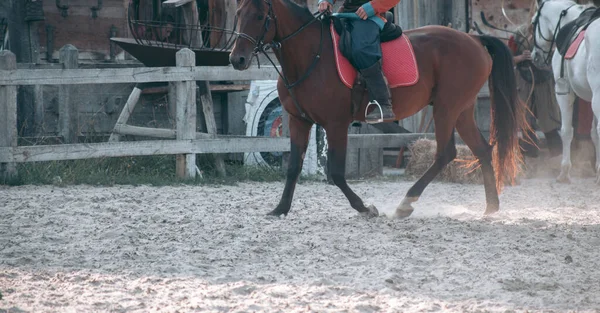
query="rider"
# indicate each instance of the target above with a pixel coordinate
(366, 49)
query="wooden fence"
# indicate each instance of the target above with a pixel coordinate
(187, 141)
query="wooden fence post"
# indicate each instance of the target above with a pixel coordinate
(68, 112)
(8, 116)
(185, 117)
(211, 124)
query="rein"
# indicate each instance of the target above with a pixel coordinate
(262, 47)
(537, 27)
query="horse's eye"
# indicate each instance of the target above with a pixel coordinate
(261, 17)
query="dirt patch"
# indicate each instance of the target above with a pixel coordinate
(211, 249)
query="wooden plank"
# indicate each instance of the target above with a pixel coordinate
(364, 141)
(209, 117)
(362, 162)
(185, 118)
(133, 75)
(352, 155)
(192, 34)
(213, 88)
(226, 144)
(154, 132)
(371, 159)
(176, 3)
(68, 113)
(82, 64)
(145, 131)
(39, 109)
(8, 116)
(126, 112)
(228, 88)
(138, 148)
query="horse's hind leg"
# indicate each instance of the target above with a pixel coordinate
(467, 128)
(299, 135)
(337, 142)
(445, 153)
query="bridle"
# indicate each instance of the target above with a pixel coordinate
(536, 27)
(261, 47)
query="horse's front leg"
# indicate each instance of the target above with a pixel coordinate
(565, 98)
(595, 131)
(299, 135)
(337, 141)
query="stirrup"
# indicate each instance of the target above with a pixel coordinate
(380, 120)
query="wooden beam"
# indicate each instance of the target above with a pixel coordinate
(138, 148)
(175, 3)
(213, 88)
(185, 118)
(133, 75)
(227, 88)
(8, 116)
(211, 124)
(126, 112)
(68, 112)
(224, 144)
(192, 34)
(154, 132)
(365, 141)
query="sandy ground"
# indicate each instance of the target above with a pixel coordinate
(211, 249)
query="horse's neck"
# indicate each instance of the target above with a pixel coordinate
(297, 52)
(574, 10)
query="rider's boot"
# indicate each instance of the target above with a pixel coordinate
(379, 94)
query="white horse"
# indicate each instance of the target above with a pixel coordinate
(581, 73)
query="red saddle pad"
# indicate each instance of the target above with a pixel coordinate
(399, 62)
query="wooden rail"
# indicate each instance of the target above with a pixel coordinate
(184, 141)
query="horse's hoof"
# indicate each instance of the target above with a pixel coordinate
(372, 211)
(403, 211)
(563, 179)
(491, 209)
(276, 213)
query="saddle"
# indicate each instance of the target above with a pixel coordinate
(389, 33)
(568, 33)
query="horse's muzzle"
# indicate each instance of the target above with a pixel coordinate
(239, 62)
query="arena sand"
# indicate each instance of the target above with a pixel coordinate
(211, 249)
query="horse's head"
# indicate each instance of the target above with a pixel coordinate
(256, 27)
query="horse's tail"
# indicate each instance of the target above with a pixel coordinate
(508, 114)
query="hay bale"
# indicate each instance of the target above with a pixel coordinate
(458, 171)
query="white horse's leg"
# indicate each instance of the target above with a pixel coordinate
(592, 38)
(565, 98)
(595, 133)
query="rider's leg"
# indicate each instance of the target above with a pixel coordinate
(366, 56)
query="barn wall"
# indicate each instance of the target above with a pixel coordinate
(517, 11)
(89, 35)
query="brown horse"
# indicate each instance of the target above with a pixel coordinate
(453, 68)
